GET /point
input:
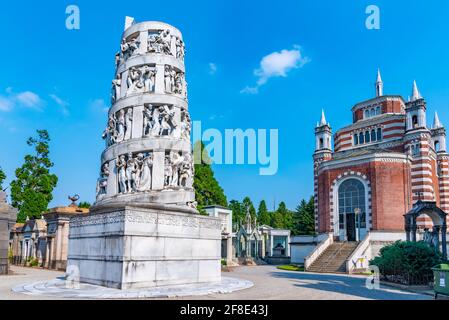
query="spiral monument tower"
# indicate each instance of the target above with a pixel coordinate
(144, 229)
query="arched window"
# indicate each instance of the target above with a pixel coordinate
(367, 137)
(373, 135)
(351, 198)
(415, 121)
(362, 138)
(379, 134)
(437, 146)
(366, 113)
(378, 112)
(321, 143)
(356, 139)
(373, 112)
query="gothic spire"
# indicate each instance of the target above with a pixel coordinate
(436, 122)
(415, 92)
(379, 85)
(323, 121)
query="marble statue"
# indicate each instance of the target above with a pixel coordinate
(147, 120)
(120, 121)
(110, 133)
(186, 173)
(168, 79)
(178, 87)
(135, 84)
(180, 49)
(128, 123)
(167, 123)
(116, 85)
(149, 76)
(168, 171)
(102, 182)
(131, 173)
(121, 170)
(129, 48)
(186, 125)
(145, 175)
(156, 124)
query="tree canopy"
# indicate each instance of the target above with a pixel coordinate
(2, 178)
(207, 189)
(263, 216)
(31, 191)
(304, 218)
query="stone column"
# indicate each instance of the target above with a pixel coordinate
(229, 250)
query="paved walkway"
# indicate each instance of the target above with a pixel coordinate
(269, 283)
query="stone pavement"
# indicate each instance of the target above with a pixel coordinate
(269, 283)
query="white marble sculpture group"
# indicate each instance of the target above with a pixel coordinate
(149, 103)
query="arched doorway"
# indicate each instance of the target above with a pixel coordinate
(352, 210)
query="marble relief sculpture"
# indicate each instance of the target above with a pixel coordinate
(120, 125)
(160, 42)
(129, 48)
(110, 133)
(178, 170)
(174, 81)
(141, 79)
(128, 123)
(180, 49)
(186, 125)
(102, 182)
(116, 85)
(135, 173)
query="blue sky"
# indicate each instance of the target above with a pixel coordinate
(59, 79)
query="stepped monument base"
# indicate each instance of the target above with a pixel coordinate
(127, 246)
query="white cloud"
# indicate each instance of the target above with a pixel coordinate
(29, 99)
(212, 68)
(98, 104)
(63, 104)
(26, 99)
(277, 64)
(5, 104)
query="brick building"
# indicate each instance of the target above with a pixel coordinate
(379, 167)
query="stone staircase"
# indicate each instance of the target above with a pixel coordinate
(333, 260)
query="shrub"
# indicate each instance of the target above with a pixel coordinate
(407, 262)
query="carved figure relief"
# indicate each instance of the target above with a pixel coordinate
(135, 173)
(116, 85)
(102, 182)
(129, 48)
(186, 125)
(141, 79)
(160, 42)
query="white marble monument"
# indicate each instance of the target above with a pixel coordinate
(144, 229)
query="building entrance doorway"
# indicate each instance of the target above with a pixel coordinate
(350, 227)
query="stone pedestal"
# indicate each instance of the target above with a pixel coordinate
(8, 216)
(125, 246)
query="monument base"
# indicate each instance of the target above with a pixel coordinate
(142, 246)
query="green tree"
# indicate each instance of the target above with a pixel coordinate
(31, 191)
(304, 218)
(207, 189)
(282, 217)
(84, 205)
(238, 213)
(2, 178)
(263, 215)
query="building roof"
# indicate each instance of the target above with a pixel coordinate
(360, 152)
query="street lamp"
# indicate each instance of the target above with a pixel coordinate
(357, 212)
